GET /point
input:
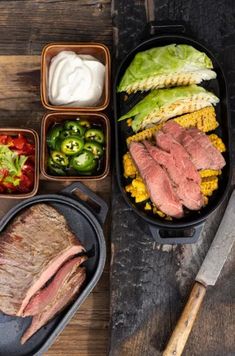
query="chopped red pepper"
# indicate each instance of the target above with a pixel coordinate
(6, 140)
(19, 142)
(16, 171)
(3, 139)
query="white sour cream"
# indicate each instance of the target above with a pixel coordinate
(75, 80)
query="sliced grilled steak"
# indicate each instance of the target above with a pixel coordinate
(182, 136)
(182, 159)
(199, 156)
(69, 287)
(203, 154)
(48, 294)
(32, 249)
(174, 129)
(157, 181)
(187, 190)
(217, 160)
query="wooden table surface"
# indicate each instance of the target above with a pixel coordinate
(150, 283)
(25, 27)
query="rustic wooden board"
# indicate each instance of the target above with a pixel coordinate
(25, 27)
(87, 333)
(149, 283)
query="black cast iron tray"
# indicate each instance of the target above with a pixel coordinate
(188, 228)
(86, 223)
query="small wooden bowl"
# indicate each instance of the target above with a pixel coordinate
(97, 50)
(95, 118)
(33, 137)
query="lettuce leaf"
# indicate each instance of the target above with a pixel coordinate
(166, 66)
(162, 104)
(13, 163)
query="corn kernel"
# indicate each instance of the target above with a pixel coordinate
(129, 122)
(208, 185)
(204, 173)
(129, 166)
(147, 206)
(217, 142)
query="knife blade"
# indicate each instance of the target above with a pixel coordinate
(207, 276)
(220, 247)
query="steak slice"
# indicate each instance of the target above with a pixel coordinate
(69, 287)
(217, 160)
(199, 155)
(46, 296)
(157, 181)
(32, 249)
(182, 159)
(174, 129)
(203, 154)
(187, 190)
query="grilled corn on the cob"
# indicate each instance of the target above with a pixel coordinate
(138, 190)
(130, 169)
(203, 119)
(217, 142)
(208, 185)
(205, 173)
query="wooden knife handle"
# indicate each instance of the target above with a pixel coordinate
(184, 326)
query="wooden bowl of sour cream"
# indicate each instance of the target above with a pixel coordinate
(75, 77)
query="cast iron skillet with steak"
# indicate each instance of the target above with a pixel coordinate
(40, 269)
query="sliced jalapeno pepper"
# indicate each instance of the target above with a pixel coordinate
(52, 136)
(89, 170)
(72, 145)
(94, 135)
(95, 148)
(67, 133)
(84, 161)
(58, 144)
(75, 127)
(85, 124)
(54, 169)
(59, 158)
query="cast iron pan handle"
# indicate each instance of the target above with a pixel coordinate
(176, 235)
(157, 28)
(102, 210)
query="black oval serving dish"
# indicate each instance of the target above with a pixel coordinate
(188, 228)
(87, 226)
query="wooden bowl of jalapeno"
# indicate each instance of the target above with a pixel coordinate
(75, 146)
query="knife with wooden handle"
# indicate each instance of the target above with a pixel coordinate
(207, 276)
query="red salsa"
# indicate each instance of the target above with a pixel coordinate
(17, 164)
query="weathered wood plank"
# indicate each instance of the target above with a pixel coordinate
(21, 78)
(26, 26)
(150, 284)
